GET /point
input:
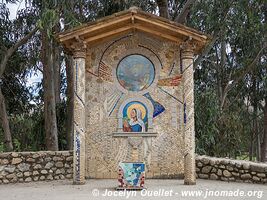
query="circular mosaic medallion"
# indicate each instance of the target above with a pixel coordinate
(135, 72)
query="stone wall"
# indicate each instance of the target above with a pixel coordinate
(35, 166)
(50, 165)
(230, 170)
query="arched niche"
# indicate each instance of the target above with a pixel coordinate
(149, 114)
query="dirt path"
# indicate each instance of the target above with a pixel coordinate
(156, 189)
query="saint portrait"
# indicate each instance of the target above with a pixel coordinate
(135, 117)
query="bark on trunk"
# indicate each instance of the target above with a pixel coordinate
(222, 81)
(56, 65)
(255, 120)
(5, 123)
(163, 8)
(49, 95)
(251, 149)
(70, 101)
(181, 18)
(264, 142)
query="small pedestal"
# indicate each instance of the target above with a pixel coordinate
(131, 176)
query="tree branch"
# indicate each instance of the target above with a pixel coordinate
(163, 8)
(214, 39)
(239, 75)
(181, 18)
(207, 49)
(12, 49)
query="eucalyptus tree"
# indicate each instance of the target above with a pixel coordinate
(225, 70)
(230, 73)
(14, 34)
(225, 74)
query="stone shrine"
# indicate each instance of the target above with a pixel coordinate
(134, 95)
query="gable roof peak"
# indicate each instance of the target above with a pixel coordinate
(134, 9)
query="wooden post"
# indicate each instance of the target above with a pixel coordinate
(187, 56)
(79, 113)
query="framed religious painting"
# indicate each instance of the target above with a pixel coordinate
(135, 117)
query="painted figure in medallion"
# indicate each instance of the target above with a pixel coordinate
(135, 117)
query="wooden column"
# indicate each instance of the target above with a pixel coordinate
(79, 54)
(187, 55)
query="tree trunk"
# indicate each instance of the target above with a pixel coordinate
(264, 142)
(163, 8)
(181, 18)
(254, 133)
(5, 123)
(57, 68)
(3, 113)
(221, 73)
(251, 150)
(256, 129)
(70, 100)
(51, 135)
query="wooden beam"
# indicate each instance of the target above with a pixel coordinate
(109, 38)
(108, 34)
(158, 34)
(172, 28)
(95, 27)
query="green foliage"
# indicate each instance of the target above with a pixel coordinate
(224, 127)
(61, 123)
(28, 131)
(48, 20)
(206, 115)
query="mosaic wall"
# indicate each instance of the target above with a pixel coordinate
(120, 99)
(131, 175)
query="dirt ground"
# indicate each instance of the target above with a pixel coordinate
(156, 189)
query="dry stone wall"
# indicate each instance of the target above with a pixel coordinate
(35, 166)
(230, 170)
(50, 165)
